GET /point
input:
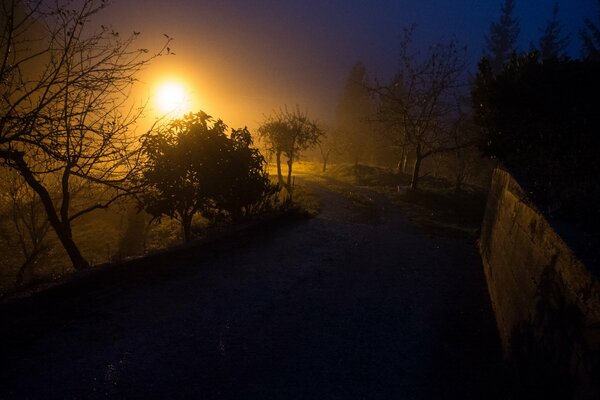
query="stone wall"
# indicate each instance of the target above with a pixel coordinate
(546, 302)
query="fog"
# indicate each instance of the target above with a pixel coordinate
(240, 60)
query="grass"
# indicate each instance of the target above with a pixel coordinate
(305, 203)
(436, 208)
(364, 175)
(443, 211)
(109, 236)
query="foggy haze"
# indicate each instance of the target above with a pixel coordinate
(241, 60)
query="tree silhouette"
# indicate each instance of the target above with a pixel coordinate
(502, 39)
(329, 145)
(421, 106)
(553, 44)
(353, 112)
(25, 226)
(590, 36)
(540, 118)
(65, 126)
(193, 167)
(289, 133)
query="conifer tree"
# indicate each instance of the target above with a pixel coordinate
(502, 40)
(352, 115)
(590, 36)
(552, 43)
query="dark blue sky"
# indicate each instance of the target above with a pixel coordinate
(242, 59)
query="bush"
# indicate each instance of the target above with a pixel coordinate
(194, 167)
(540, 118)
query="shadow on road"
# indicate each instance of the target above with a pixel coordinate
(354, 303)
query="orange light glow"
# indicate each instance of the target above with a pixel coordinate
(173, 99)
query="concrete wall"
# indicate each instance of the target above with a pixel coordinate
(546, 302)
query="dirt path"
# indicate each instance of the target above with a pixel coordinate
(351, 304)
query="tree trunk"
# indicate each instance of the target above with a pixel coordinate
(414, 183)
(401, 167)
(325, 156)
(31, 259)
(279, 174)
(27, 264)
(461, 175)
(62, 228)
(289, 179)
(186, 225)
(325, 162)
(66, 240)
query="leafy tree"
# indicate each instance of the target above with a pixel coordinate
(590, 36)
(552, 43)
(541, 120)
(193, 167)
(420, 107)
(502, 39)
(63, 114)
(353, 113)
(289, 133)
(246, 188)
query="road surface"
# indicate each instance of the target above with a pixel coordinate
(352, 304)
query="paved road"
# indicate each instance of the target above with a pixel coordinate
(352, 304)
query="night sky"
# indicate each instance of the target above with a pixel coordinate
(242, 59)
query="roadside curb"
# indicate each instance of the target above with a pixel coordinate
(155, 261)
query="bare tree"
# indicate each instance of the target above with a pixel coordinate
(465, 159)
(27, 227)
(420, 108)
(289, 133)
(390, 128)
(328, 146)
(64, 116)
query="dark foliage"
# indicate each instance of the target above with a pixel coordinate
(502, 39)
(65, 119)
(590, 37)
(289, 133)
(543, 349)
(353, 111)
(195, 167)
(553, 44)
(541, 119)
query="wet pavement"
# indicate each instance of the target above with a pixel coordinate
(352, 304)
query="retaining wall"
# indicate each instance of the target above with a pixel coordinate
(546, 302)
